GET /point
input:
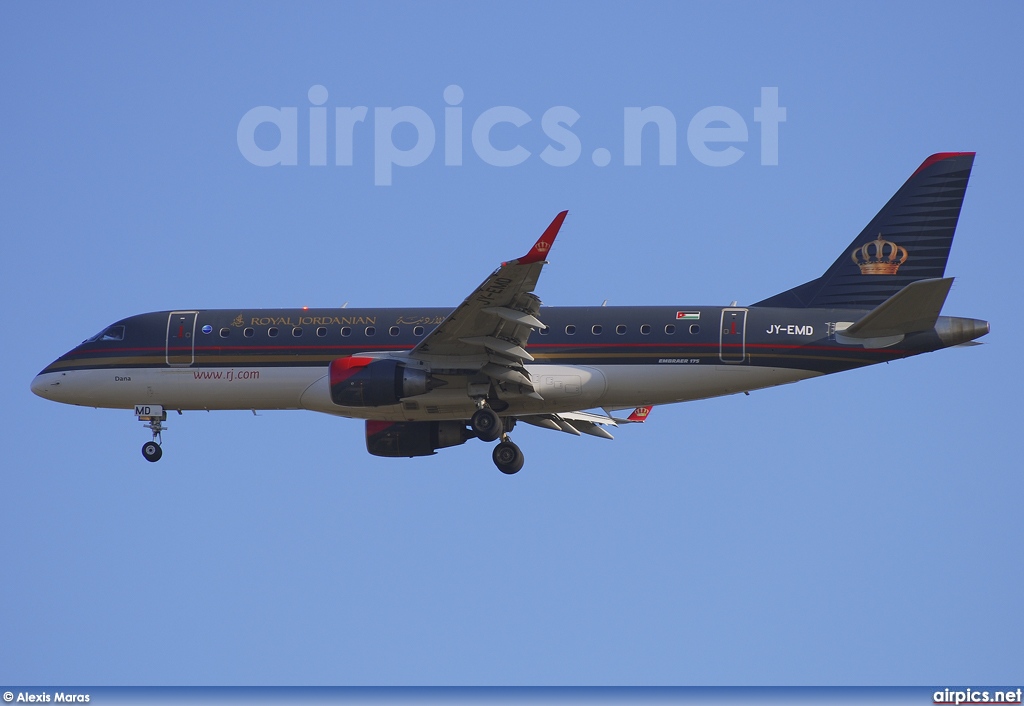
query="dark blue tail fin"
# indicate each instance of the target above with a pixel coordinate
(907, 241)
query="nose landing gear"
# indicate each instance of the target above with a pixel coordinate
(151, 451)
(154, 416)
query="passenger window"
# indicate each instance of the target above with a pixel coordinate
(670, 329)
(297, 331)
(620, 329)
(694, 328)
(544, 331)
(272, 331)
(417, 331)
(321, 331)
(248, 333)
(393, 330)
(346, 331)
(596, 329)
(225, 332)
(645, 329)
(370, 330)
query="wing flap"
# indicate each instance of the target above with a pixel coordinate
(506, 374)
(591, 429)
(515, 316)
(498, 345)
(575, 423)
(553, 422)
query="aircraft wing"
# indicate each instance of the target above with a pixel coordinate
(577, 423)
(493, 324)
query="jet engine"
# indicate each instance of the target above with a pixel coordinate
(368, 382)
(413, 438)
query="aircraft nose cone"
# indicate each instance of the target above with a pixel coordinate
(45, 385)
(39, 386)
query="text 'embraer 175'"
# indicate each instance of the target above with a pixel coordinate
(425, 378)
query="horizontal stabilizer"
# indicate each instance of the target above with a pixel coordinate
(914, 308)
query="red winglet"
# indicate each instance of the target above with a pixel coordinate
(540, 249)
(639, 414)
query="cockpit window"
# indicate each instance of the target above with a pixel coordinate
(113, 333)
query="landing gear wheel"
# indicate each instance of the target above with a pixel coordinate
(152, 451)
(508, 457)
(487, 424)
(154, 417)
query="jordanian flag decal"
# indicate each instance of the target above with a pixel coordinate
(687, 315)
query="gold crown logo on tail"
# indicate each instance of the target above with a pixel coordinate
(879, 257)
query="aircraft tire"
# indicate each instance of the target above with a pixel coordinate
(487, 424)
(508, 458)
(151, 451)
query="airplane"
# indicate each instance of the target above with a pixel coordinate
(424, 379)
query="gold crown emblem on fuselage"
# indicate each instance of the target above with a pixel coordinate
(879, 257)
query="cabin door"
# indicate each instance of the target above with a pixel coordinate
(181, 337)
(732, 336)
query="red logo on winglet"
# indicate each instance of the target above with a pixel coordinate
(639, 414)
(543, 243)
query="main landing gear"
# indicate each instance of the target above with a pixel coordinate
(508, 457)
(487, 424)
(488, 427)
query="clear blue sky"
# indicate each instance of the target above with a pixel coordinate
(859, 529)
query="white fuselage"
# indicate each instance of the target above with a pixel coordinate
(563, 388)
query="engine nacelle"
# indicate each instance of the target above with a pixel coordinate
(413, 438)
(368, 382)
